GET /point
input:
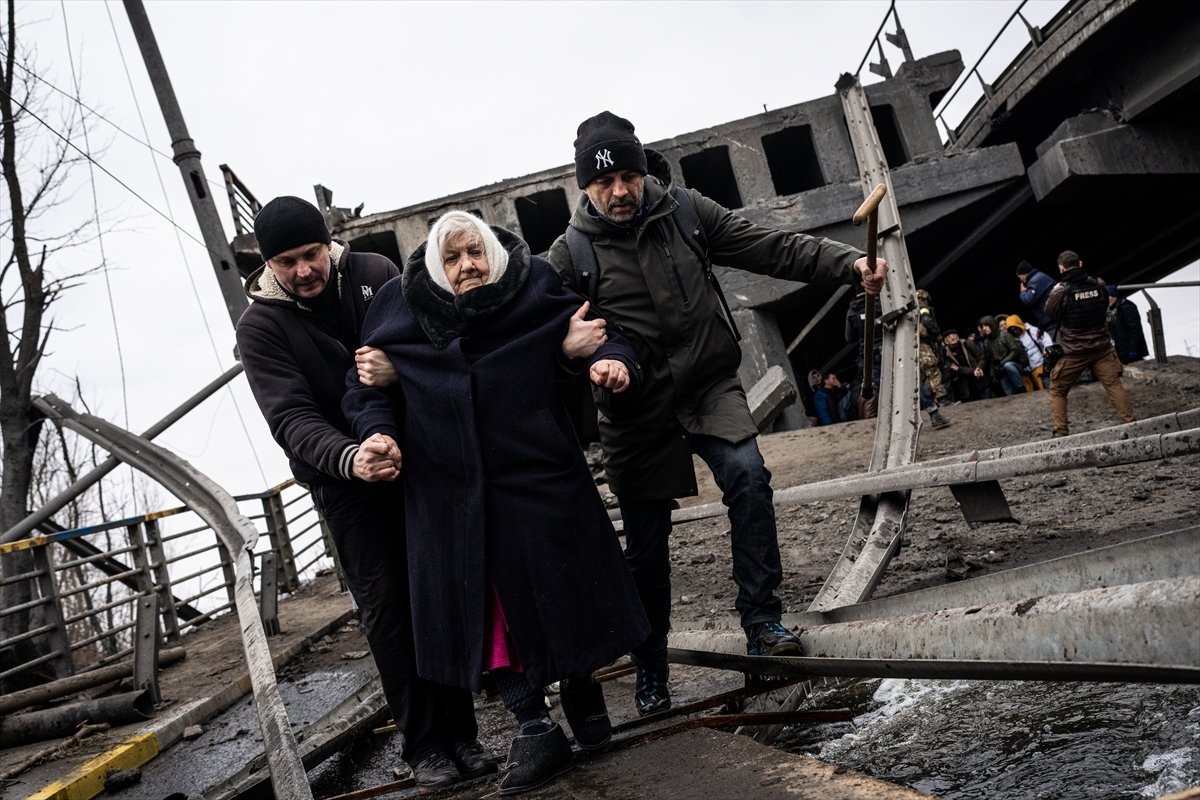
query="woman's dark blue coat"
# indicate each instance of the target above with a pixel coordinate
(495, 479)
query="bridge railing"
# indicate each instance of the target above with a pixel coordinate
(85, 582)
(1034, 36)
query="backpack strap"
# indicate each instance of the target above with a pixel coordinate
(688, 223)
(1034, 339)
(585, 271)
(693, 233)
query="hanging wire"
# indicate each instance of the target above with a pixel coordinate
(112, 308)
(163, 188)
(220, 187)
(102, 168)
(179, 241)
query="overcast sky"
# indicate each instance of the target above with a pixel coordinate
(390, 104)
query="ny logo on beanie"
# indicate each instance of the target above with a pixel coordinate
(603, 158)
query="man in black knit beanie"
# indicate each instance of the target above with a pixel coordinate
(297, 340)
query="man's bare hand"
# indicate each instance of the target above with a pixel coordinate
(872, 282)
(584, 336)
(374, 367)
(610, 374)
(377, 459)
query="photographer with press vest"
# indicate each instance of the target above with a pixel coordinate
(1079, 305)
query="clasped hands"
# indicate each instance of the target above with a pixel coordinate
(378, 459)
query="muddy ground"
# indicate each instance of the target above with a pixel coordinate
(1058, 513)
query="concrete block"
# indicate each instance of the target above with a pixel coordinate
(768, 397)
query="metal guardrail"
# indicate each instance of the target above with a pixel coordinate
(87, 580)
(898, 38)
(1037, 35)
(237, 536)
(881, 518)
(243, 205)
(30, 523)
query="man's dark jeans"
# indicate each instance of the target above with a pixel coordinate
(367, 523)
(746, 483)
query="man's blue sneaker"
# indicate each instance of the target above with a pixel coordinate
(652, 694)
(771, 639)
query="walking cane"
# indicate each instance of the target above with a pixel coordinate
(868, 403)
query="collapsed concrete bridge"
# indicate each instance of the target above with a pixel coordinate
(1083, 142)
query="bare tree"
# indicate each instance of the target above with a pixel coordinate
(36, 161)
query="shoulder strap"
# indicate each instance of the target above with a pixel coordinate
(585, 270)
(692, 232)
(688, 222)
(1029, 328)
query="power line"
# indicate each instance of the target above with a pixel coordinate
(112, 309)
(179, 242)
(102, 168)
(143, 142)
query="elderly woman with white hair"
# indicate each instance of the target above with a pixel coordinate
(514, 566)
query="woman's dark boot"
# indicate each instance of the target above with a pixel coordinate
(586, 713)
(540, 753)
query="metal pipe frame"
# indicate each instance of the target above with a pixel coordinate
(238, 535)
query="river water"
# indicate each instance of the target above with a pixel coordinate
(1014, 740)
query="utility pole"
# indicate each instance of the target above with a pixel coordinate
(188, 158)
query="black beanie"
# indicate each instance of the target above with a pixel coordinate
(288, 222)
(1024, 268)
(606, 143)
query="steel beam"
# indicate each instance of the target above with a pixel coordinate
(1154, 558)
(1107, 447)
(237, 533)
(1140, 632)
(187, 157)
(877, 530)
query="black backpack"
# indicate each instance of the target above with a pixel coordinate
(585, 270)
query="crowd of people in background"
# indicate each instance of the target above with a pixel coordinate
(1003, 354)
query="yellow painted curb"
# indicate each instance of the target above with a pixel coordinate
(88, 779)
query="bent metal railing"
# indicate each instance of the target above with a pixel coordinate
(237, 536)
(87, 580)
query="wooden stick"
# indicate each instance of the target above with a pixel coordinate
(868, 211)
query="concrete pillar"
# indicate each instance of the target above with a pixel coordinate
(762, 348)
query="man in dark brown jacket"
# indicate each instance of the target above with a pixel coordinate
(655, 289)
(1080, 306)
(297, 340)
